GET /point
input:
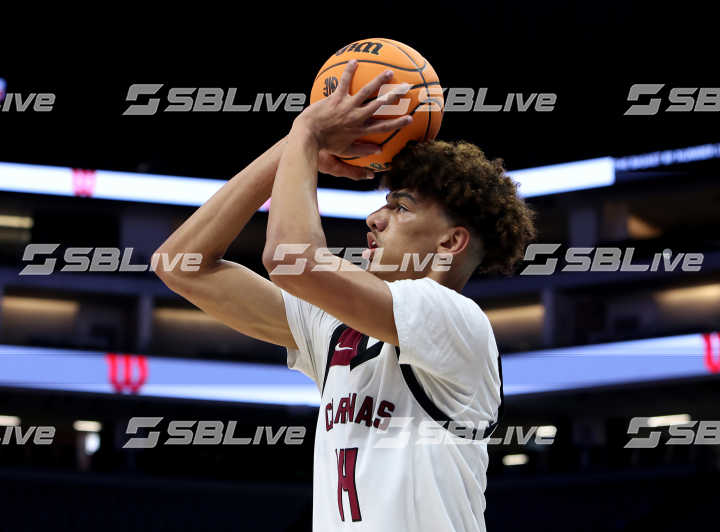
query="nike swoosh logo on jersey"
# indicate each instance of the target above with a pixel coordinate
(338, 348)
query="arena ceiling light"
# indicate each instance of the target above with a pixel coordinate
(82, 425)
(666, 421)
(16, 222)
(91, 444)
(9, 421)
(515, 459)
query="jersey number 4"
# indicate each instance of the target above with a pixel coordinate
(346, 460)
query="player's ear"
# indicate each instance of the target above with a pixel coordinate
(454, 240)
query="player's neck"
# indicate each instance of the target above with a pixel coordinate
(454, 280)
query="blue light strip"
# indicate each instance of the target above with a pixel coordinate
(176, 190)
(191, 191)
(691, 355)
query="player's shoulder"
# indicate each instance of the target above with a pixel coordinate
(298, 308)
(441, 298)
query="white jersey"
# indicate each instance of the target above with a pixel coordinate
(401, 433)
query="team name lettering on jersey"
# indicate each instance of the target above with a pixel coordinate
(352, 410)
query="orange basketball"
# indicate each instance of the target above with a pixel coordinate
(424, 101)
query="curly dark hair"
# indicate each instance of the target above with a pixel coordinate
(475, 192)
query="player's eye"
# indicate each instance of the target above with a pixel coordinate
(394, 206)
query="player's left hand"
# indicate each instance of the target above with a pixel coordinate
(330, 164)
(336, 122)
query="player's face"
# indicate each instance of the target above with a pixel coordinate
(406, 225)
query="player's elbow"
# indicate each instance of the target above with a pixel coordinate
(163, 273)
(168, 276)
(268, 259)
(174, 267)
(288, 264)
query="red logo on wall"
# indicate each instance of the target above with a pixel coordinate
(712, 351)
(84, 182)
(122, 375)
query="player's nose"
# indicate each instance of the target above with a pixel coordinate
(377, 221)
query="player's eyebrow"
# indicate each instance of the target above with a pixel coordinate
(398, 195)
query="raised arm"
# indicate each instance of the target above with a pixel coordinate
(227, 291)
(351, 294)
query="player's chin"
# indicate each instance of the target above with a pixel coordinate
(378, 274)
(372, 267)
(386, 276)
(384, 273)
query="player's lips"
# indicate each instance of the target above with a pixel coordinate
(372, 246)
(372, 241)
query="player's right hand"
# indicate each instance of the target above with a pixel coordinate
(338, 121)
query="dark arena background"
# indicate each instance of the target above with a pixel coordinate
(627, 157)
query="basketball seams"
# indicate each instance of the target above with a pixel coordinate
(423, 102)
(418, 70)
(426, 84)
(420, 103)
(391, 43)
(422, 76)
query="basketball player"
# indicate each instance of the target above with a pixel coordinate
(407, 367)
